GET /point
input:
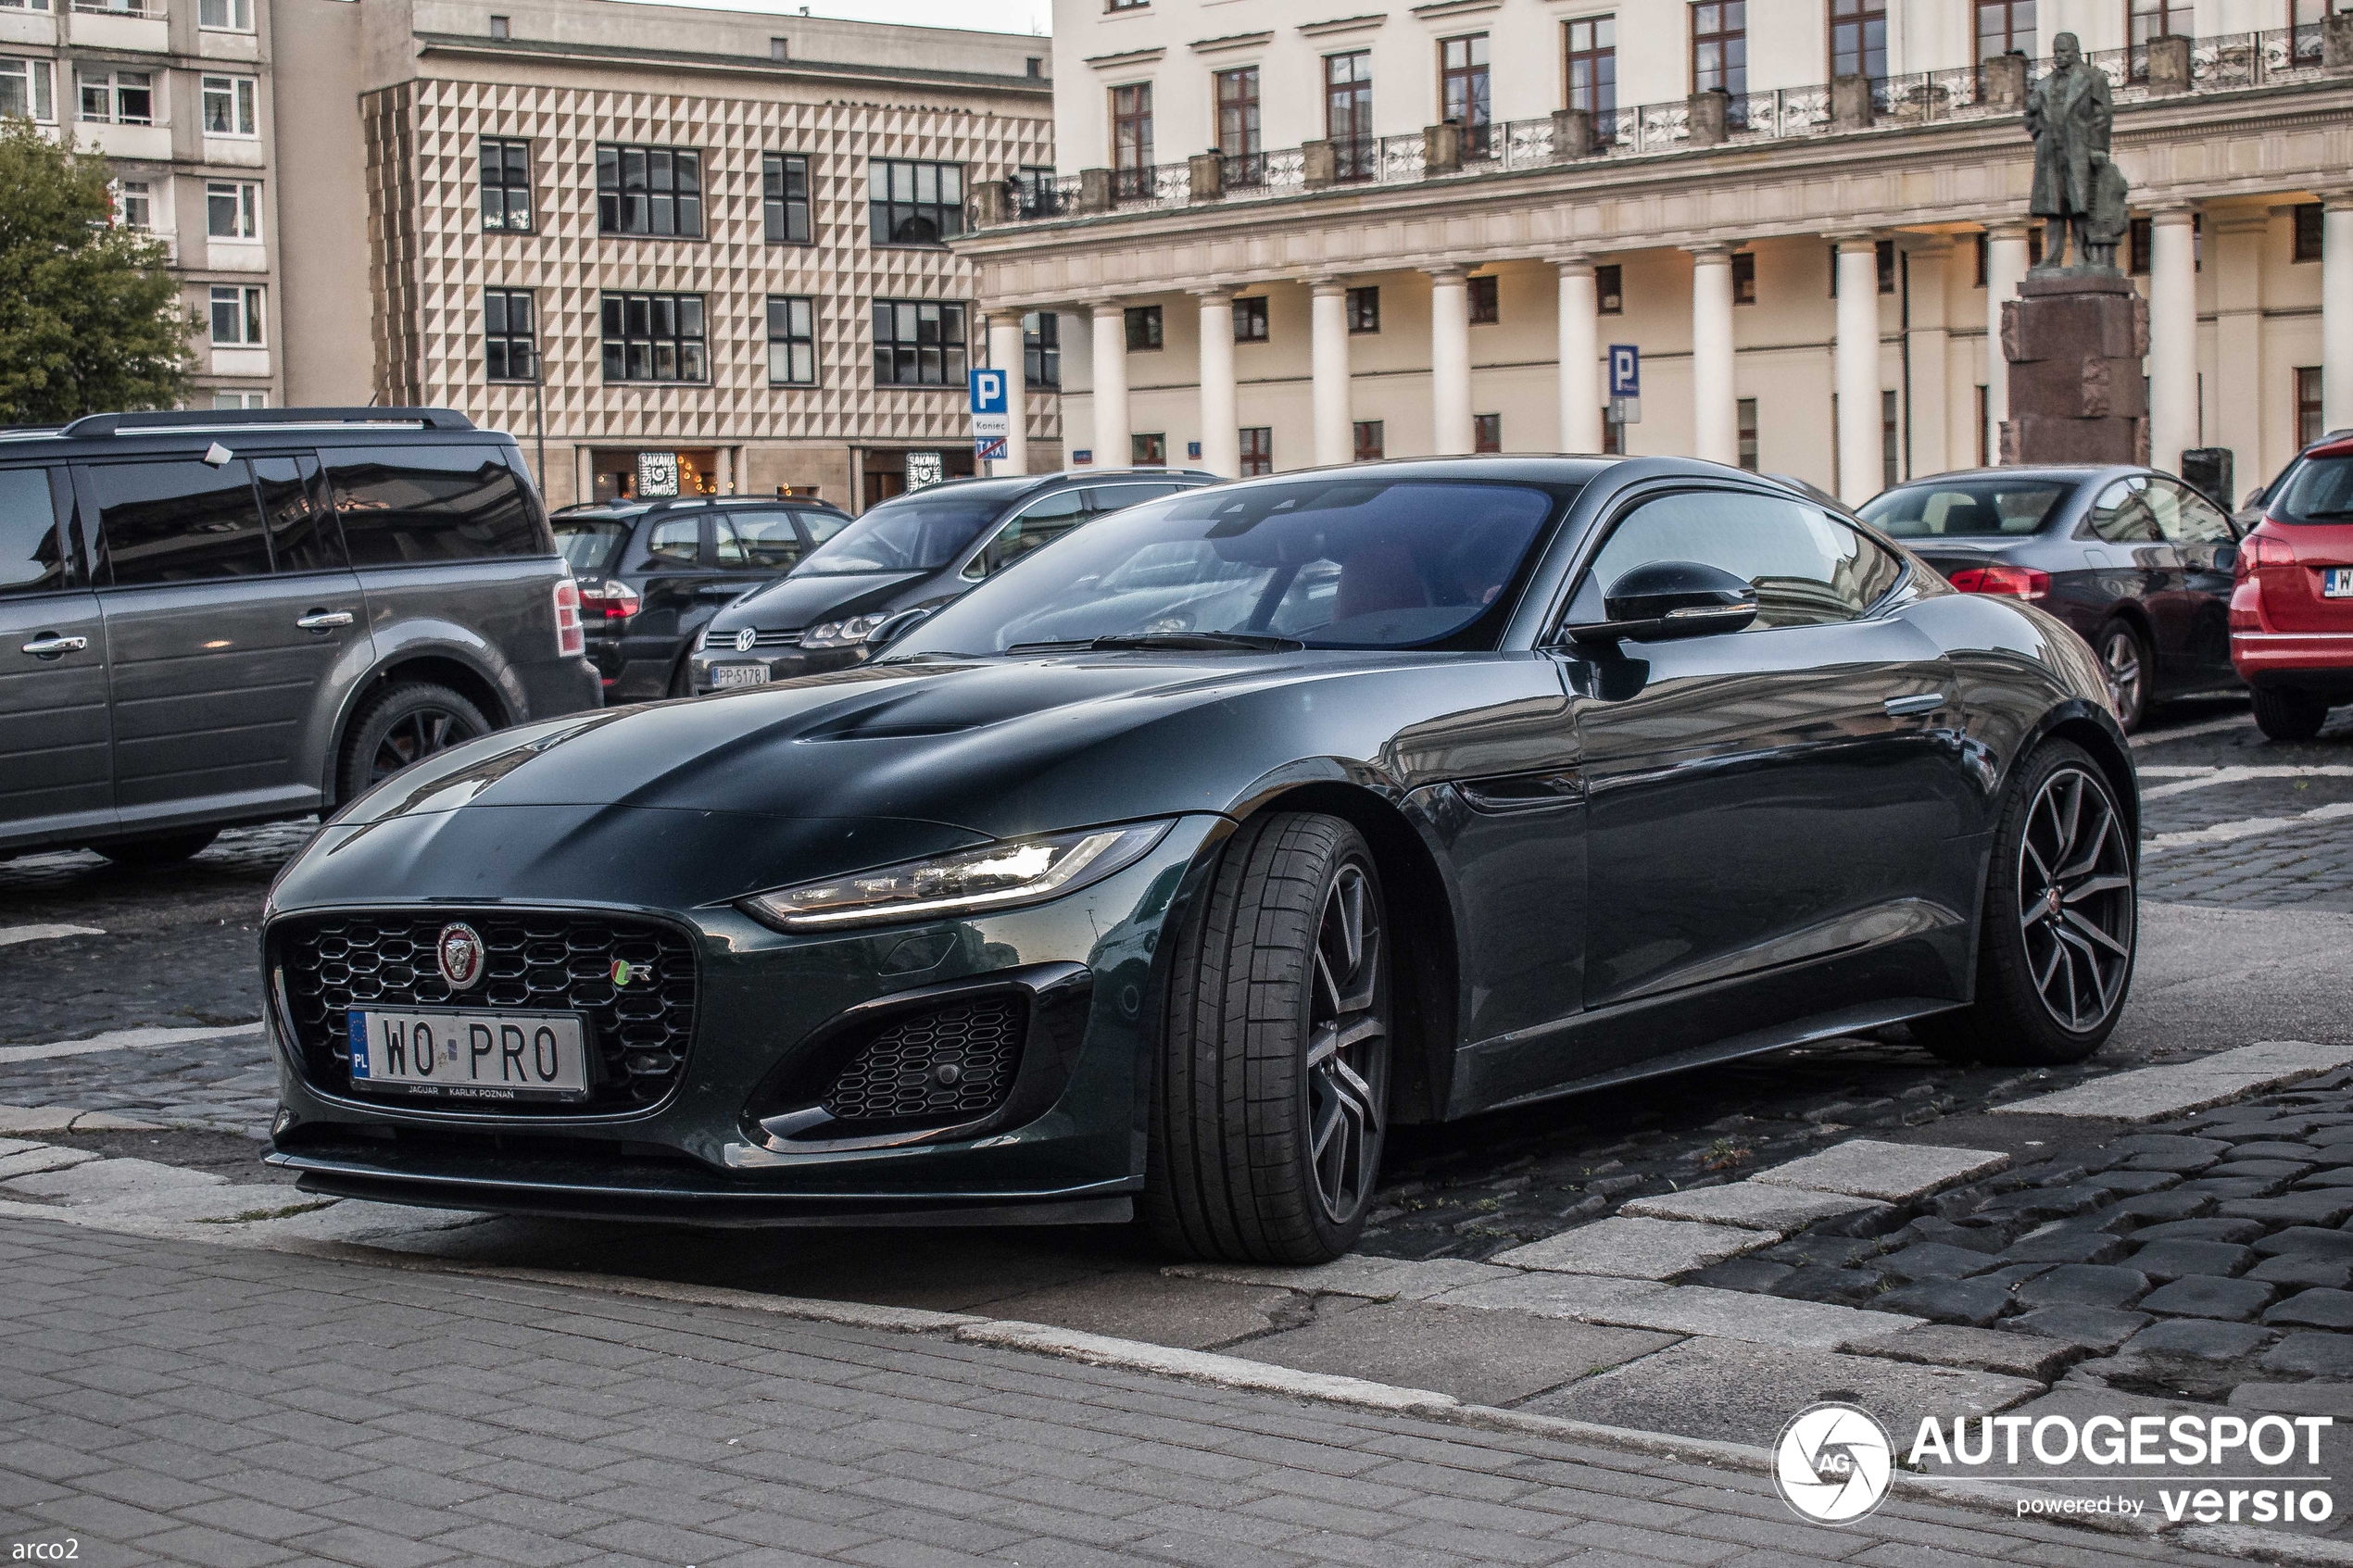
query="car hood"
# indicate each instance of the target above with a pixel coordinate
(791, 603)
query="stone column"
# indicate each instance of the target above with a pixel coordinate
(2236, 244)
(1856, 364)
(1111, 448)
(1580, 350)
(1221, 439)
(1335, 432)
(2172, 362)
(1926, 425)
(2337, 313)
(1715, 425)
(2005, 265)
(1450, 363)
(723, 471)
(1007, 353)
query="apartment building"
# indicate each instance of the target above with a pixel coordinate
(177, 95)
(1291, 232)
(673, 250)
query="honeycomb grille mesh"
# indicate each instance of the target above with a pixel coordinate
(949, 1063)
(637, 1034)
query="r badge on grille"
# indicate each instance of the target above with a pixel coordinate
(460, 953)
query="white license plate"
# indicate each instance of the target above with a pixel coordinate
(738, 675)
(493, 1057)
(2336, 583)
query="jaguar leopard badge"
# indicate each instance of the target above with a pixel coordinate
(460, 953)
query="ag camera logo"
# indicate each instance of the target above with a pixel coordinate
(1831, 1463)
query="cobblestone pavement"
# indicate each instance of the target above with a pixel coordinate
(184, 1404)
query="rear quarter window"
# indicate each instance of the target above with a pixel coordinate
(179, 522)
(33, 553)
(411, 505)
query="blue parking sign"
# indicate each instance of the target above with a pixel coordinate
(1625, 371)
(988, 392)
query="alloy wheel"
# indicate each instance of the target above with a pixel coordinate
(418, 733)
(1347, 1046)
(2121, 657)
(2075, 898)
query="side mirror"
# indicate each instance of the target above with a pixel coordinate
(2226, 557)
(896, 627)
(2254, 498)
(1671, 598)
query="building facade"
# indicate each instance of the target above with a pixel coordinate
(177, 94)
(672, 250)
(1296, 237)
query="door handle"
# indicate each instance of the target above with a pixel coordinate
(48, 645)
(325, 619)
(1904, 707)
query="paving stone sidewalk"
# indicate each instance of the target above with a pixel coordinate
(161, 1402)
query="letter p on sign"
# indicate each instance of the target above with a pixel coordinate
(988, 392)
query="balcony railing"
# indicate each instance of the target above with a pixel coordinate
(2217, 64)
(136, 10)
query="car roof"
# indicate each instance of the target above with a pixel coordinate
(2069, 472)
(163, 431)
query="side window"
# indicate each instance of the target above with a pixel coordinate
(821, 525)
(1808, 568)
(179, 523)
(2121, 515)
(1040, 522)
(2185, 517)
(407, 506)
(33, 555)
(303, 536)
(764, 540)
(675, 542)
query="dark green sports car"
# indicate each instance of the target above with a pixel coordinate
(1160, 874)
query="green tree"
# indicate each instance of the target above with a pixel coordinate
(89, 320)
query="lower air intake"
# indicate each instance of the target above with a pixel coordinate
(949, 1064)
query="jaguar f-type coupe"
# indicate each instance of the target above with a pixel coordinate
(1160, 876)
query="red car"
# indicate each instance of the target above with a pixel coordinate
(2291, 596)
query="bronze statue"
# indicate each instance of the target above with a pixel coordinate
(2078, 189)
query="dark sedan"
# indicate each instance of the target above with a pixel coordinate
(2136, 562)
(1168, 872)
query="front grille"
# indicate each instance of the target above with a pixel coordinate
(777, 639)
(543, 962)
(949, 1063)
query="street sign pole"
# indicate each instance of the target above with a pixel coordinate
(991, 418)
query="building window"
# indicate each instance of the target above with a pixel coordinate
(2160, 19)
(1487, 433)
(2005, 27)
(1143, 328)
(919, 342)
(792, 340)
(1744, 277)
(655, 337)
(1131, 142)
(1592, 66)
(1982, 251)
(1888, 441)
(241, 400)
(915, 204)
(26, 90)
(119, 98)
(225, 16)
(1363, 311)
(509, 335)
(1486, 311)
(1858, 39)
(1984, 426)
(1884, 263)
(24, 5)
(1609, 290)
(231, 209)
(2137, 240)
(1042, 348)
(779, 50)
(505, 186)
(1463, 90)
(2035, 245)
(1719, 47)
(133, 204)
(784, 197)
(1368, 440)
(2308, 232)
(1148, 449)
(1348, 113)
(228, 106)
(2307, 405)
(1613, 435)
(1258, 450)
(236, 316)
(1250, 320)
(652, 191)
(2305, 17)
(1747, 411)
(501, 29)
(1237, 140)
(1126, 5)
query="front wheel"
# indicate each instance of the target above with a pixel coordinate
(1271, 1094)
(2289, 716)
(2060, 928)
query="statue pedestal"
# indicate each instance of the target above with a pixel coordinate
(2075, 342)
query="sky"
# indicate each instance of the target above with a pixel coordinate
(1034, 17)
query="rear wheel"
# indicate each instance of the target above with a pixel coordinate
(2060, 928)
(2124, 658)
(400, 726)
(1271, 1094)
(2289, 716)
(162, 849)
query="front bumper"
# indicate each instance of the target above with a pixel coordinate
(736, 1141)
(782, 664)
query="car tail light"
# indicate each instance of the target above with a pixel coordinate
(2013, 581)
(613, 601)
(2260, 550)
(569, 639)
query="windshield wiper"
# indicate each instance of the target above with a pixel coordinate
(1168, 642)
(2331, 511)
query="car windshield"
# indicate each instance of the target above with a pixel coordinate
(1336, 563)
(911, 534)
(590, 544)
(1966, 508)
(2319, 489)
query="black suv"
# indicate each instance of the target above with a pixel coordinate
(231, 615)
(653, 573)
(915, 551)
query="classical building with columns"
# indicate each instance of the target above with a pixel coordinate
(1296, 233)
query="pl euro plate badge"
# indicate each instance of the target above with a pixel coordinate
(482, 1058)
(2336, 583)
(725, 675)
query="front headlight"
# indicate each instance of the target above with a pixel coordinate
(841, 633)
(995, 876)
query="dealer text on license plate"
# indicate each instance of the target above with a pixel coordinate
(434, 1054)
(2336, 583)
(738, 675)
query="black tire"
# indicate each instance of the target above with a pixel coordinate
(400, 724)
(2060, 929)
(2125, 660)
(1270, 1094)
(2289, 716)
(162, 849)
(681, 682)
